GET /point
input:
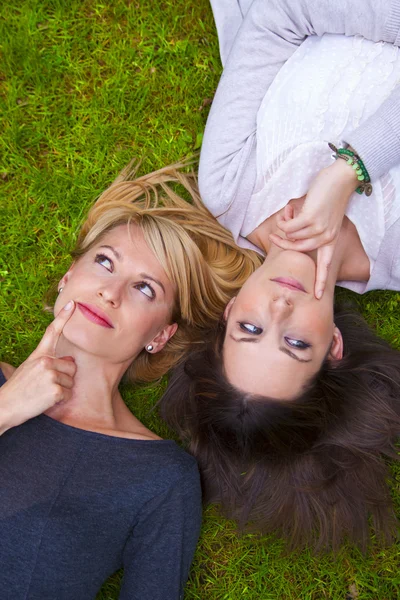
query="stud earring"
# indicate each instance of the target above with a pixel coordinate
(60, 290)
(149, 348)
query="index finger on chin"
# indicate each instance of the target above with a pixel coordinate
(49, 341)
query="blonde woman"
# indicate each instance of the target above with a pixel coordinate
(85, 487)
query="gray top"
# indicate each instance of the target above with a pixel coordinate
(76, 506)
(256, 39)
(385, 274)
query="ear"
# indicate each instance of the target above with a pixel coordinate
(228, 308)
(65, 277)
(163, 337)
(336, 351)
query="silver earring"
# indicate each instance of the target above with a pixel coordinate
(60, 290)
(149, 348)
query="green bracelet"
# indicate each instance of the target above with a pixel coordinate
(354, 161)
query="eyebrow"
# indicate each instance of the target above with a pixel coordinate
(292, 355)
(113, 250)
(144, 275)
(254, 340)
(284, 350)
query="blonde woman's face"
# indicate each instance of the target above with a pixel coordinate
(278, 333)
(124, 299)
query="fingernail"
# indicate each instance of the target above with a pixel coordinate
(69, 305)
(319, 294)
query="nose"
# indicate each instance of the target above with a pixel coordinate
(281, 305)
(111, 293)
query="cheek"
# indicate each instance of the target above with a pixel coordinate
(143, 321)
(59, 304)
(62, 299)
(57, 307)
(249, 300)
(77, 283)
(320, 318)
(78, 332)
(113, 345)
(149, 322)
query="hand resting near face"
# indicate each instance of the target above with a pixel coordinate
(318, 224)
(41, 381)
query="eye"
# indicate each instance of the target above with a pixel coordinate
(249, 328)
(146, 289)
(299, 344)
(105, 262)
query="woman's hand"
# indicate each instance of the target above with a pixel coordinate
(318, 224)
(41, 381)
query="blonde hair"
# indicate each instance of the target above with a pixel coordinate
(198, 255)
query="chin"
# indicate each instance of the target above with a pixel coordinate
(297, 260)
(299, 256)
(87, 338)
(94, 341)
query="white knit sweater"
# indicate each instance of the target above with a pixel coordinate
(256, 40)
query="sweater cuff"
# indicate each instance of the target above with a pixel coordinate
(392, 27)
(380, 154)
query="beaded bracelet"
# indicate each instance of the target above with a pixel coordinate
(354, 161)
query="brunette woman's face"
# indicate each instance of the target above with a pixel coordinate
(277, 332)
(124, 299)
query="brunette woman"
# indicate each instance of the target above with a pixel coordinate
(292, 406)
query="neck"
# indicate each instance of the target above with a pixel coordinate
(96, 401)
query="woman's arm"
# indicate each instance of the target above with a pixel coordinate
(271, 31)
(159, 552)
(40, 382)
(377, 140)
(6, 369)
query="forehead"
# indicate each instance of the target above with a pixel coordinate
(127, 236)
(128, 246)
(265, 370)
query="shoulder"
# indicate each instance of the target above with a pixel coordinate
(162, 464)
(176, 473)
(178, 463)
(171, 480)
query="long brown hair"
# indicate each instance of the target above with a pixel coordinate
(311, 469)
(197, 253)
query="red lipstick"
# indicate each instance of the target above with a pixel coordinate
(94, 314)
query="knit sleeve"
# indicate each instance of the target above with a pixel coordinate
(270, 33)
(159, 552)
(377, 140)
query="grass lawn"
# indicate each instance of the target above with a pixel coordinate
(85, 86)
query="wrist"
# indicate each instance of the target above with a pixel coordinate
(354, 161)
(6, 416)
(5, 423)
(345, 175)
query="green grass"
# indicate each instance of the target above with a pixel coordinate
(84, 87)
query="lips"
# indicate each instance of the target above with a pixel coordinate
(95, 315)
(290, 283)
